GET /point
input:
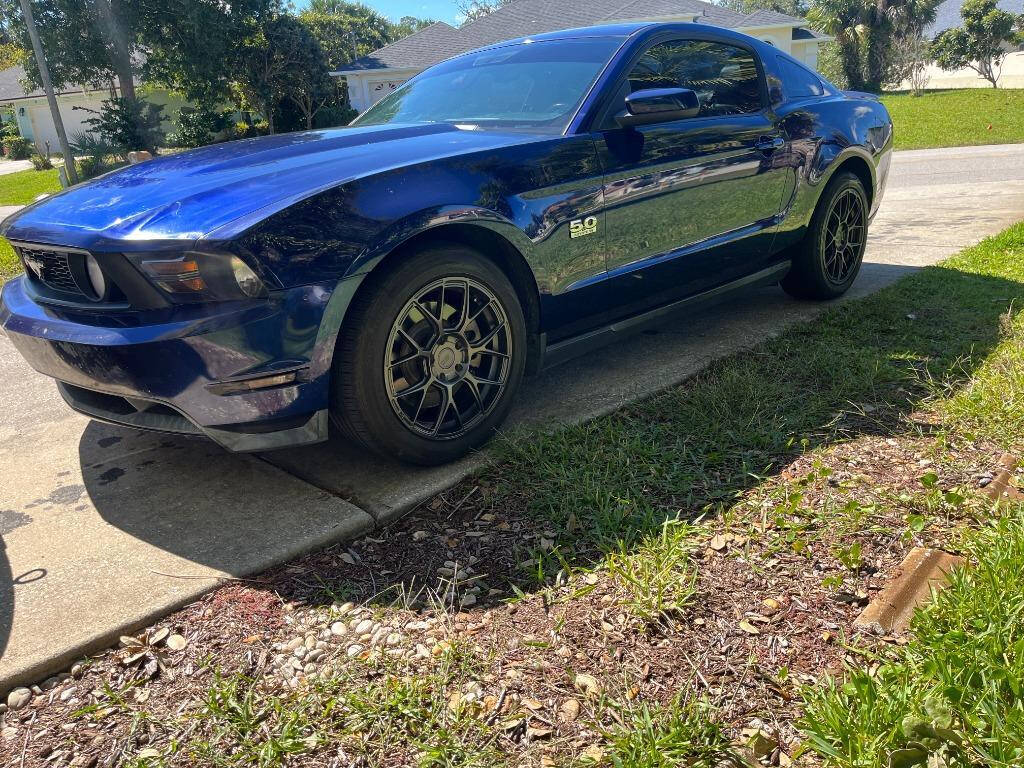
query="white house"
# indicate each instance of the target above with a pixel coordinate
(372, 77)
(32, 111)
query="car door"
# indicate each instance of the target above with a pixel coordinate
(690, 204)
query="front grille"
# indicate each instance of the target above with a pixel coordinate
(54, 269)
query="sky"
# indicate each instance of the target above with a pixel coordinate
(439, 10)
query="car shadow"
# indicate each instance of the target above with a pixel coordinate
(491, 521)
(192, 499)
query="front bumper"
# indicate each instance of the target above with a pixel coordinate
(168, 370)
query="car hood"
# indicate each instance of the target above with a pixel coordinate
(196, 194)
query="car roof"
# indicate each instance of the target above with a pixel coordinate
(623, 30)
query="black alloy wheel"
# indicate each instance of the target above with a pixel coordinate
(430, 355)
(845, 235)
(827, 261)
(448, 357)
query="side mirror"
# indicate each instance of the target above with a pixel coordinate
(658, 105)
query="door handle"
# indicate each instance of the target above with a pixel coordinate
(770, 143)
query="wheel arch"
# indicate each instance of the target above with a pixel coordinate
(491, 244)
(860, 168)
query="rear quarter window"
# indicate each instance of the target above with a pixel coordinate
(799, 82)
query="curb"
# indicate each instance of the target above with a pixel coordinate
(1002, 489)
(921, 572)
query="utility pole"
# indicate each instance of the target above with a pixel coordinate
(44, 75)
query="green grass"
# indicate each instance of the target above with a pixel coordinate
(957, 118)
(953, 695)
(374, 714)
(682, 733)
(9, 263)
(23, 187)
(612, 482)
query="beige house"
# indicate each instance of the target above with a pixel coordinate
(33, 113)
(372, 77)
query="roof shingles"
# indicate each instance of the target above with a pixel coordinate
(521, 18)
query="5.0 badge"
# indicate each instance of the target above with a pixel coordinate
(581, 227)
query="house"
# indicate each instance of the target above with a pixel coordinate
(372, 77)
(32, 111)
(1012, 71)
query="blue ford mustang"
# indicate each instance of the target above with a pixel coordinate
(503, 210)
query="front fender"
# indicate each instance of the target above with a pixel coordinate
(435, 219)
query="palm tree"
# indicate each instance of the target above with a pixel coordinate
(865, 30)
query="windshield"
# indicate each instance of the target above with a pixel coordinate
(534, 86)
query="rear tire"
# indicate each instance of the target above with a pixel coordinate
(828, 259)
(429, 357)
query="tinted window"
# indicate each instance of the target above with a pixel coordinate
(797, 82)
(724, 77)
(538, 86)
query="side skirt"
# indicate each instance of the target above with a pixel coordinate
(555, 354)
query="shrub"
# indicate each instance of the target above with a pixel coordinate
(90, 167)
(830, 64)
(9, 128)
(41, 162)
(17, 148)
(198, 126)
(334, 115)
(127, 124)
(95, 154)
(244, 130)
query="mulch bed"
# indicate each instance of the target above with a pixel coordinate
(762, 606)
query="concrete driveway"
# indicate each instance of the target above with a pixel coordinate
(103, 528)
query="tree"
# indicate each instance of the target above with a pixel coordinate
(796, 8)
(127, 125)
(865, 31)
(471, 10)
(911, 56)
(311, 88)
(407, 25)
(280, 59)
(187, 44)
(981, 42)
(346, 30)
(183, 44)
(11, 54)
(86, 41)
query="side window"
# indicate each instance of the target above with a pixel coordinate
(724, 77)
(797, 82)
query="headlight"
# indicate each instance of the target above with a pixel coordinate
(201, 276)
(97, 280)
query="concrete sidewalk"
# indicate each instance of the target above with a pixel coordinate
(104, 528)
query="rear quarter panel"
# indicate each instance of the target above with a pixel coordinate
(826, 134)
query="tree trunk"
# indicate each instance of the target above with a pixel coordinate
(268, 115)
(850, 56)
(878, 47)
(110, 15)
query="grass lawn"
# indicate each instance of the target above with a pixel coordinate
(9, 263)
(670, 585)
(23, 187)
(957, 118)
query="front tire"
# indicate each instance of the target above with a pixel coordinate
(828, 259)
(430, 356)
